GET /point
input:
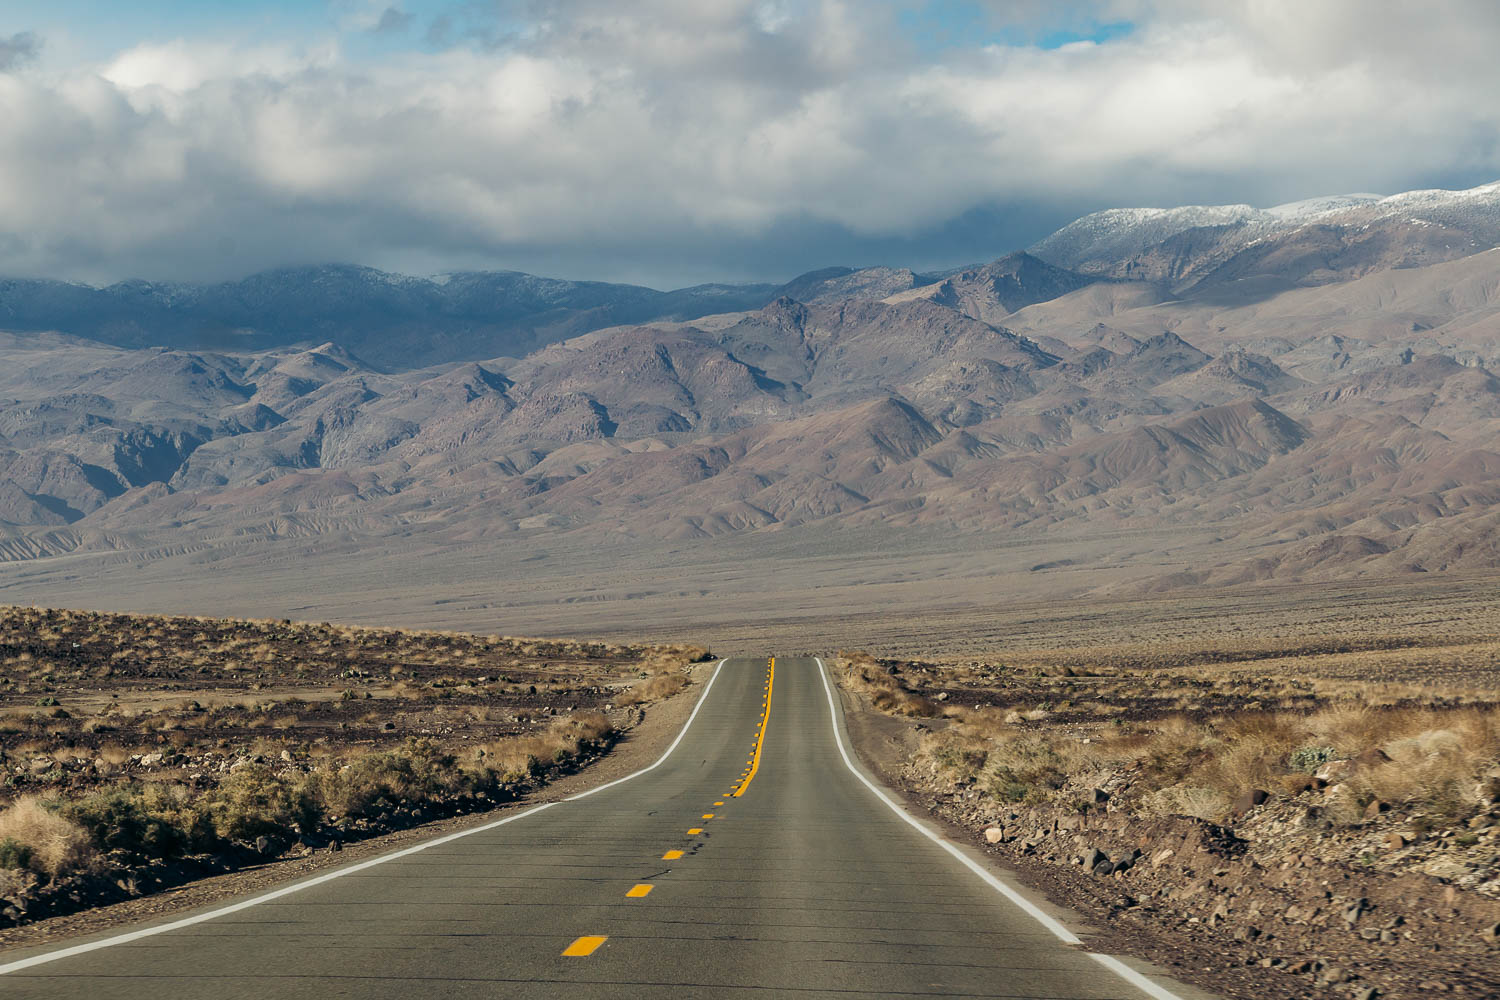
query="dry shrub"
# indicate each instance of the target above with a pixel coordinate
(34, 836)
(654, 689)
(254, 802)
(418, 772)
(519, 758)
(864, 674)
(671, 659)
(149, 820)
(1209, 804)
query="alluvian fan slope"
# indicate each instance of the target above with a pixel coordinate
(1306, 391)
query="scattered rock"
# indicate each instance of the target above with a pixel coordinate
(994, 835)
(1333, 974)
(1355, 910)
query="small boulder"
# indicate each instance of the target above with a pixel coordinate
(1396, 840)
(1094, 858)
(1333, 975)
(993, 835)
(1375, 808)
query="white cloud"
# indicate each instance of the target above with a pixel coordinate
(660, 130)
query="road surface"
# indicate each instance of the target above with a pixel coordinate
(751, 861)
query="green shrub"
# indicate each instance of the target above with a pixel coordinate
(14, 854)
(254, 802)
(1310, 758)
(148, 821)
(419, 772)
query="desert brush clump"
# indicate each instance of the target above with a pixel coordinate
(521, 758)
(35, 836)
(864, 674)
(1189, 728)
(653, 689)
(142, 819)
(1420, 759)
(258, 806)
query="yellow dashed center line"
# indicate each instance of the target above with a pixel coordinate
(695, 831)
(637, 891)
(585, 946)
(671, 856)
(708, 815)
(760, 736)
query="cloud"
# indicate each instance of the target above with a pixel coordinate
(392, 20)
(673, 140)
(18, 50)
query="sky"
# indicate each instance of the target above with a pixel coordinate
(671, 142)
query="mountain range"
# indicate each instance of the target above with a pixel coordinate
(1146, 400)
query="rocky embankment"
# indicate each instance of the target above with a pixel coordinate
(1280, 903)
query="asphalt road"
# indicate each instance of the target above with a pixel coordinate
(795, 879)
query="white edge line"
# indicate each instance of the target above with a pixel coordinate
(224, 911)
(1147, 986)
(1060, 932)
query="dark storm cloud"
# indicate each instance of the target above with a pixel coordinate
(673, 141)
(18, 50)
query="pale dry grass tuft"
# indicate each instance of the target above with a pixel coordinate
(654, 689)
(35, 837)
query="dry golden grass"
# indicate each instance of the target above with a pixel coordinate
(1194, 720)
(654, 689)
(862, 673)
(33, 836)
(519, 757)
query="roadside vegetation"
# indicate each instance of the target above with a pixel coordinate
(1195, 733)
(138, 751)
(1296, 817)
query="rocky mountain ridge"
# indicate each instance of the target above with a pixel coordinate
(1319, 430)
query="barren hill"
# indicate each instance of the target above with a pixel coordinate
(1155, 399)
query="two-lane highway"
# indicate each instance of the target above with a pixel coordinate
(751, 860)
